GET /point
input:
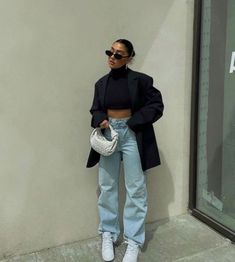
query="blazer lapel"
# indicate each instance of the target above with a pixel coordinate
(103, 89)
(133, 88)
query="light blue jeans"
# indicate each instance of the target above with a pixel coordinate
(135, 208)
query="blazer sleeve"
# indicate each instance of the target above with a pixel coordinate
(98, 114)
(152, 108)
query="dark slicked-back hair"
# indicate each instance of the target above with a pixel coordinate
(128, 45)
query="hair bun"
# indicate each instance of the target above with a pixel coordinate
(133, 53)
(128, 45)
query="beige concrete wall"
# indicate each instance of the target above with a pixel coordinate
(51, 53)
(163, 35)
(162, 32)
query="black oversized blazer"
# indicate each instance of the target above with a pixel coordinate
(146, 106)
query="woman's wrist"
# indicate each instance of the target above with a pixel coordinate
(104, 124)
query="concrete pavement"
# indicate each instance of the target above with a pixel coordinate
(180, 239)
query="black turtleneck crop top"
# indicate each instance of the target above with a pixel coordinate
(117, 93)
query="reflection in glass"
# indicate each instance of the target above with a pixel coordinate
(216, 119)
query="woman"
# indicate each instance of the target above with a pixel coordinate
(128, 101)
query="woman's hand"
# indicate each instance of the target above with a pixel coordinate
(104, 124)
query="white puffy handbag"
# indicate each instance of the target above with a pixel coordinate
(101, 144)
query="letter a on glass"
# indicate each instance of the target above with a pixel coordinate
(232, 65)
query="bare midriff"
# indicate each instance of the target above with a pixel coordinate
(119, 113)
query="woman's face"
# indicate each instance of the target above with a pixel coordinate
(118, 48)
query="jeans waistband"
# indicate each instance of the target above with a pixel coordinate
(118, 122)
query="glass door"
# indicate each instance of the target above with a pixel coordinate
(213, 134)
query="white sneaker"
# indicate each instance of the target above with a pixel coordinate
(107, 247)
(131, 254)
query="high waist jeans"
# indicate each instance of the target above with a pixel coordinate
(135, 208)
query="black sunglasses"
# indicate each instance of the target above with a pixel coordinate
(117, 56)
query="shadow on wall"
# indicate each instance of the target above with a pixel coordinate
(141, 23)
(160, 191)
(160, 195)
